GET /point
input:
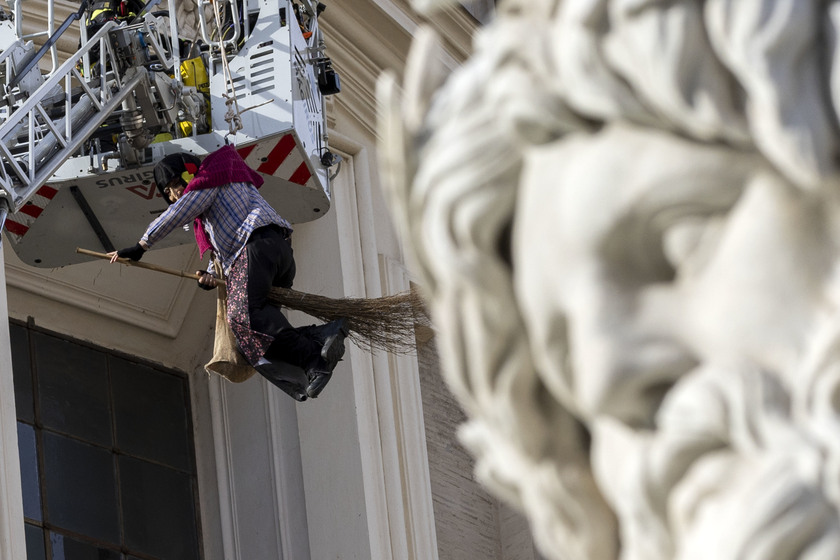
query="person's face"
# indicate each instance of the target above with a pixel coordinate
(174, 190)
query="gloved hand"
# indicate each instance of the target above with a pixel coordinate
(134, 253)
(206, 281)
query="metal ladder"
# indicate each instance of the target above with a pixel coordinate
(34, 142)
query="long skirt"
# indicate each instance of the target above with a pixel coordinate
(260, 328)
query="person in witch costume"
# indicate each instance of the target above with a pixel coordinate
(253, 244)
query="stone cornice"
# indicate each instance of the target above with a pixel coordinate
(358, 75)
(368, 38)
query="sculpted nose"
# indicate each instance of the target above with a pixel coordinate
(625, 376)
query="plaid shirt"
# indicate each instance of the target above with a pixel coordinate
(229, 213)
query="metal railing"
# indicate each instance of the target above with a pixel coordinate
(34, 143)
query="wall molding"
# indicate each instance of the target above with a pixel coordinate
(224, 469)
(12, 540)
(389, 413)
(409, 425)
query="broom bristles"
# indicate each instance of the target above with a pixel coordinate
(384, 323)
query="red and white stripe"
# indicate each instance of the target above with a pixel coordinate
(283, 159)
(19, 223)
(280, 158)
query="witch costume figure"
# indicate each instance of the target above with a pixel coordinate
(253, 246)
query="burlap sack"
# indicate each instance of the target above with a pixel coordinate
(227, 361)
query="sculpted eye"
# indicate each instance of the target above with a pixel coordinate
(633, 251)
(669, 230)
(688, 243)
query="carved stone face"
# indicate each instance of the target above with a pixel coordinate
(663, 254)
(672, 290)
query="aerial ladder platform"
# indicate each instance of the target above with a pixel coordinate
(79, 140)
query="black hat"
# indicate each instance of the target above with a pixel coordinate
(172, 166)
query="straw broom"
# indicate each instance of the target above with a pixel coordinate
(382, 323)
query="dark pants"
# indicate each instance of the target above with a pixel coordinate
(271, 263)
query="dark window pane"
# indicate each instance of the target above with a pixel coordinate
(73, 386)
(80, 488)
(158, 510)
(22, 373)
(35, 549)
(150, 413)
(65, 548)
(28, 452)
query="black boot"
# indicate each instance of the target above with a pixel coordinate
(332, 334)
(287, 377)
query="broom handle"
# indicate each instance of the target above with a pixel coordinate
(148, 266)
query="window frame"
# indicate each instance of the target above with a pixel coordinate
(112, 358)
